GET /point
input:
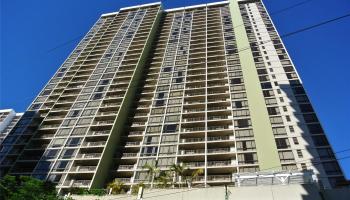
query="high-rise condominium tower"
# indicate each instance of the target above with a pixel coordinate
(208, 86)
(8, 119)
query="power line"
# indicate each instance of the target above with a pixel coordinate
(289, 7)
(316, 25)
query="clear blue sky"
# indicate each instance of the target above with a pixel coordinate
(30, 29)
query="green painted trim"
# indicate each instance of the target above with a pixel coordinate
(106, 161)
(265, 142)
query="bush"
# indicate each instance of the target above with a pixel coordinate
(83, 191)
(26, 187)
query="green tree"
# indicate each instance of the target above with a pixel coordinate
(135, 188)
(25, 187)
(193, 175)
(179, 172)
(152, 171)
(117, 186)
(163, 179)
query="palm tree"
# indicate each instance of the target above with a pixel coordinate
(163, 179)
(179, 172)
(116, 186)
(194, 175)
(152, 171)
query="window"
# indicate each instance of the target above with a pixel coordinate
(306, 108)
(176, 109)
(148, 151)
(247, 158)
(55, 178)
(244, 133)
(89, 112)
(282, 143)
(74, 113)
(288, 118)
(84, 121)
(174, 101)
(279, 131)
(235, 81)
(51, 153)
(93, 104)
(331, 168)
(285, 108)
(291, 129)
(57, 142)
(273, 110)
(151, 140)
(176, 94)
(170, 128)
(315, 128)
(286, 156)
(61, 165)
(155, 120)
(266, 85)
(310, 118)
(153, 129)
(160, 95)
(320, 140)
(300, 153)
(165, 162)
(169, 138)
(242, 123)
(73, 142)
(325, 153)
(68, 153)
(240, 113)
(172, 118)
(79, 131)
(245, 145)
(159, 103)
(295, 141)
(167, 150)
(104, 82)
(97, 96)
(239, 104)
(276, 120)
(43, 166)
(63, 132)
(157, 111)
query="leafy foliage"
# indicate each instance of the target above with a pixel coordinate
(135, 188)
(25, 187)
(117, 187)
(84, 191)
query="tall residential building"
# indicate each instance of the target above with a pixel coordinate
(209, 86)
(8, 119)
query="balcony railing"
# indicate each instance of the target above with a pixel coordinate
(83, 168)
(219, 163)
(218, 138)
(219, 178)
(194, 151)
(130, 155)
(219, 150)
(126, 167)
(89, 155)
(133, 143)
(195, 164)
(103, 122)
(78, 183)
(102, 143)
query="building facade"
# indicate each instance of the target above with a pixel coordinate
(8, 119)
(208, 86)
